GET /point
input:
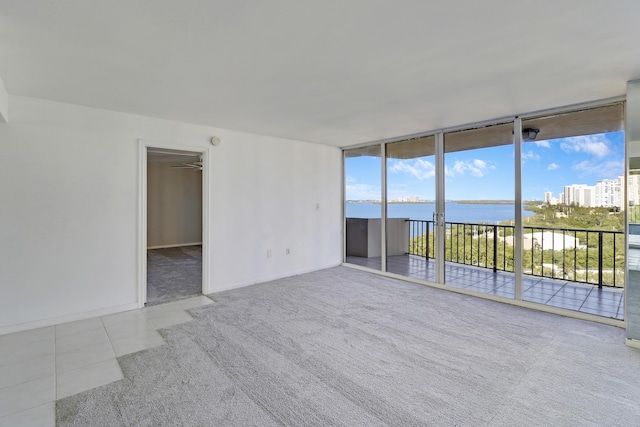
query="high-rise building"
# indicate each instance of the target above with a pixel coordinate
(567, 195)
(579, 195)
(633, 190)
(589, 197)
(608, 192)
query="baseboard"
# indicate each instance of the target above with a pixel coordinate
(177, 245)
(66, 319)
(274, 277)
(633, 343)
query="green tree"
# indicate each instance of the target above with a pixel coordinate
(486, 245)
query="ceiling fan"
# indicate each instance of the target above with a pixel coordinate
(191, 165)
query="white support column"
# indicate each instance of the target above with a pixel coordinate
(632, 277)
(517, 237)
(440, 205)
(383, 199)
(344, 207)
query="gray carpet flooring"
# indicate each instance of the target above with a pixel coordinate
(173, 273)
(342, 347)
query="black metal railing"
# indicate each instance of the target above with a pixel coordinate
(577, 255)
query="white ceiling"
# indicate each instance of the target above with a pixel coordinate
(337, 73)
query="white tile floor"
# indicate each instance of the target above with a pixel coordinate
(38, 367)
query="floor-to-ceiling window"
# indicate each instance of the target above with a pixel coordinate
(529, 209)
(479, 209)
(410, 231)
(573, 183)
(363, 206)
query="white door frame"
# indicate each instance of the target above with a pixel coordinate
(142, 212)
(439, 225)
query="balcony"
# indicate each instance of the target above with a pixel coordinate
(575, 269)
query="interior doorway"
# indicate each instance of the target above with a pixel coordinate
(173, 224)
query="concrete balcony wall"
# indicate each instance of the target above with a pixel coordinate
(364, 237)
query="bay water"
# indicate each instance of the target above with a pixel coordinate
(454, 212)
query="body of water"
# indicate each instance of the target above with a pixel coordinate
(454, 212)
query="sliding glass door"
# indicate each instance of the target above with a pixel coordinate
(479, 209)
(573, 234)
(530, 209)
(410, 208)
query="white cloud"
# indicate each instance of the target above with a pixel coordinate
(458, 168)
(475, 167)
(553, 166)
(423, 169)
(362, 192)
(479, 163)
(530, 155)
(584, 165)
(596, 145)
(544, 144)
(420, 169)
(349, 179)
(606, 169)
(397, 190)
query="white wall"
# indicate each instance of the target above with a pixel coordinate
(69, 209)
(174, 205)
(4, 103)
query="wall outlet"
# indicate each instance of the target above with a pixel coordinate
(268, 253)
(287, 251)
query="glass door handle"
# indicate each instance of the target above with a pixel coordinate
(438, 219)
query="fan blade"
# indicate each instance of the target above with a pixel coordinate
(187, 166)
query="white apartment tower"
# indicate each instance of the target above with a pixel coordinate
(589, 196)
(567, 198)
(633, 190)
(579, 195)
(608, 193)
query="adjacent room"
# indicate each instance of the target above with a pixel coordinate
(174, 225)
(286, 213)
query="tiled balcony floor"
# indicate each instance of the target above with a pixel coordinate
(606, 302)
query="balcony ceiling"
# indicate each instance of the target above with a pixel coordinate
(337, 73)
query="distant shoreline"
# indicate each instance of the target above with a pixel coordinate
(460, 202)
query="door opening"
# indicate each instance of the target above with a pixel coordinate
(173, 224)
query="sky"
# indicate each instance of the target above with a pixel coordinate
(488, 173)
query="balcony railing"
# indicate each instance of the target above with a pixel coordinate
(584, 256)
